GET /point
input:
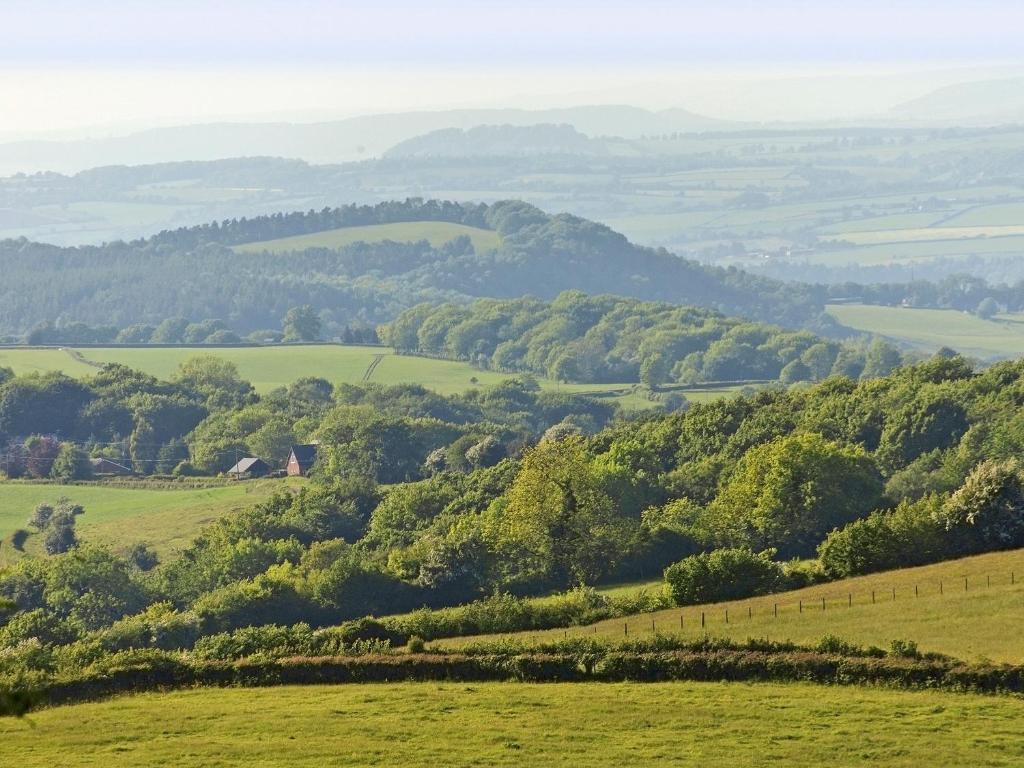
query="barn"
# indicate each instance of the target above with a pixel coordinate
(250, 467)
(301, 460)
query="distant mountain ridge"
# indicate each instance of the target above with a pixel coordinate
(327, 142)
(982, 102)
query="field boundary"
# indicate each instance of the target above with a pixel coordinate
(561, 665)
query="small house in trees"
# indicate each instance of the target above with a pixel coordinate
(103, 466)
(250, 467)
(301, 460)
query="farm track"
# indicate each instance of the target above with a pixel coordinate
(78, 357)
(372, 367)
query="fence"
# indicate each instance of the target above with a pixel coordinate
(765, 607)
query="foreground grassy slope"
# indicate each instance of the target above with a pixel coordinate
(166, 520)
(435, 232)
(929, 329)
(498, 724)
(981, 622)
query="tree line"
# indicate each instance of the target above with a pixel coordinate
(613, 339)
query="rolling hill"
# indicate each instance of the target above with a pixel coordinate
(930, 606)
(437, 233)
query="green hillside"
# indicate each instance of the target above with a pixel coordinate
(976, 623)
(435, 232)
(513, 724)
(270, 367)
(930, 329)
(164, 519)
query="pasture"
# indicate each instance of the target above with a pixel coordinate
(513, 724)
(166, 519)
(931, 606)
(435, 232)
(270, 367)
(930, 329)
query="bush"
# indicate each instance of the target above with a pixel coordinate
(724, 574)
(904, 537)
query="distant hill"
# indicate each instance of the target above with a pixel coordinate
(500, 141)
(195, 273)
(326, 142)
(985, 102)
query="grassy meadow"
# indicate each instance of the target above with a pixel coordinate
(977, 623)
(930, 329)
(513, 724)
(435, 232)
(276, 366)
(165, 519)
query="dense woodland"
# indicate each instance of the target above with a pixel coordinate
(611, 339)
(913, 467)
(193, 272)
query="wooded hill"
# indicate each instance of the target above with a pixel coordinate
(611, 339)
(192, 272)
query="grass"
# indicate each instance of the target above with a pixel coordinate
(929, 329)
(42, 360)
(977, 623)
(277, 366)
(435, 232)
(928, 234)
(513, 724)
(167, 520)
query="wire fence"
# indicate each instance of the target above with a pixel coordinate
(706, 617)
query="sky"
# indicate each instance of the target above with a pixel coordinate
(67, 64)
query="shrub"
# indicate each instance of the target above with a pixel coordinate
(724, 574)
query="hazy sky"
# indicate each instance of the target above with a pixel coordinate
(71, 63)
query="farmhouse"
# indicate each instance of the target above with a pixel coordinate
(103, 466)
(302, 459)
(250, 467)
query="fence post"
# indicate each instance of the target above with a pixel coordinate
(823, 604)
(625, 629)
(1011, 577)
(702, 619)
(680, 621)
(894, 593)
(915, 591)
(652, 625)
(726, 615)
(801, 606)
(988, 581)
(965, 583)
(750, 612)
(872, 597)
(940, 586)
(776, 610)
(849, 600)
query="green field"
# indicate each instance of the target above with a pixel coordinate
(516, 724)
(977, 623)
(434, 232)
(167, 520)
(271, 367)
(42, 360)
(930, 329)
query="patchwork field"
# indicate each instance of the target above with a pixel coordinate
(166, 520)
(931, 607)
(434, 232)
(271, 367)
(930, 329)
(513, 724)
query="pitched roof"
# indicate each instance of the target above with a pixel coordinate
(245, 465)
(305, 455)
(104, 462)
